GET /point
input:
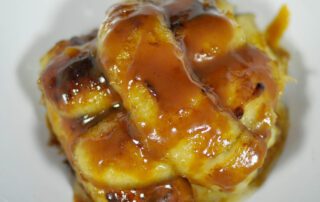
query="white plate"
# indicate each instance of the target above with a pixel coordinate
(32, 172)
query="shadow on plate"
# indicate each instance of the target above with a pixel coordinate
(73, 17)
(295, 99)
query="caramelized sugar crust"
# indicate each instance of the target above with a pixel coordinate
(167, 95)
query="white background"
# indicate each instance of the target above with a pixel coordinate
(32, 172)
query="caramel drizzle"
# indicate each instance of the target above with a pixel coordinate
(172, 98)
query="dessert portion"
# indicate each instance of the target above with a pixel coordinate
(168, 101)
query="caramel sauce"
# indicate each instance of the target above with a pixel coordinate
(115, 146)
(66, 77)
(76, 127)
(72, 128)
(172, 87)
(73, 73)
(186, 109)
(205, 32)
(200, 95)
(82, 124)
(178, 12)
(237, 76)
(239, 168)
(276, 150)
(178, 189)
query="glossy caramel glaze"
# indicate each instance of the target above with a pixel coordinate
(72, 78)
(160, 95)
(108, 148)
(237, 76)
(208, 32)
(139, 55)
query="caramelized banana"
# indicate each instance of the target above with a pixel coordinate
(72, 80)
(170, 100)
(244, 77)
(106, 151)
(175, 116)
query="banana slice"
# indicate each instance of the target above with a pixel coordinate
(72, 81)
(107, 156)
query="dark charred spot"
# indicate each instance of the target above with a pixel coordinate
(176, 23)
(154, 44)
(259, 89)
(151, 89)
(238, 112)
(64, 79)
(136, 22)
(82, 124)
(80, 67)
